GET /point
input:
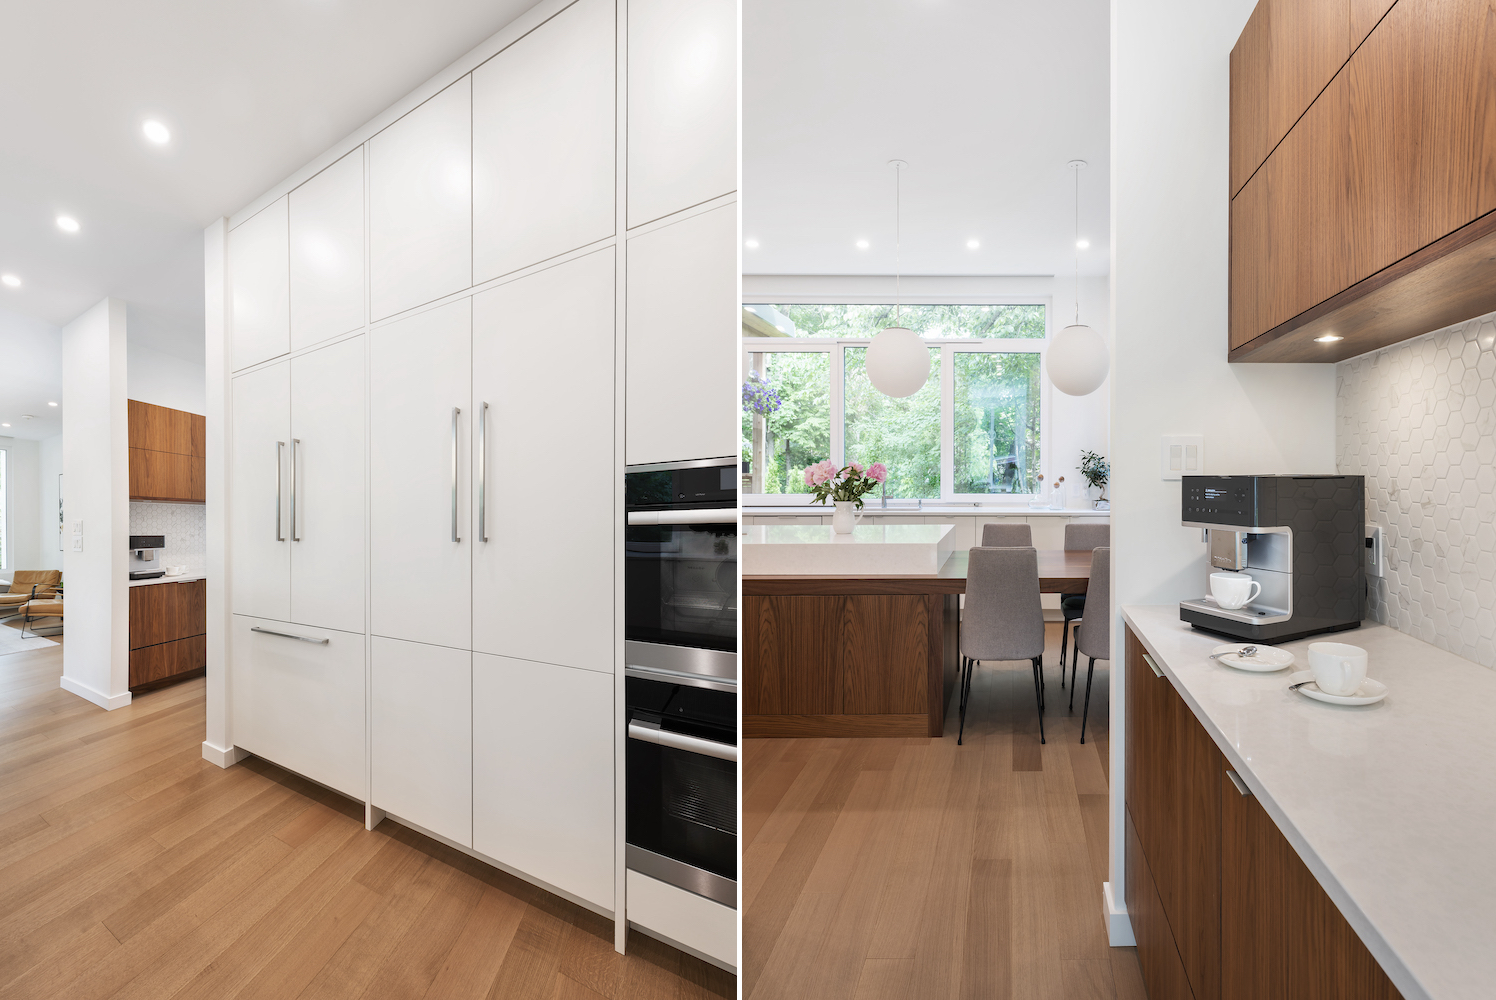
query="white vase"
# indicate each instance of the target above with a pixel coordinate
(845, 518)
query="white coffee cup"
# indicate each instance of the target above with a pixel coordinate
(1338, 668)
(1233, 590)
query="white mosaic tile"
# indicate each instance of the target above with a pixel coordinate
(185, 526)
(1418, 420)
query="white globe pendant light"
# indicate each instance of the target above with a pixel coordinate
(898, 363)
(1077, 359)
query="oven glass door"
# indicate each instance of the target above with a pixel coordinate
(681, 804)
(681, 584)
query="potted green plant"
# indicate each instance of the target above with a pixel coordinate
(1097, 472)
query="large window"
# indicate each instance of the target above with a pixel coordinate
(4, 508)
(973, 431)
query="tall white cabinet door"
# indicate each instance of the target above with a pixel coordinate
(420, 204)
(327, 253)
(544, 591)
(683, 336)
(298, 699)
(421, 735)
(259, 492)
(682, 104)
(544, 124)
(420, 459)
(327, 427)
(259, 283)
(543, 780)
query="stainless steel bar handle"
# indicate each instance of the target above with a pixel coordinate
(455, 412)
(483, 474)
(711, 515)
(1152, 666)
(679, 741)
(288, 635)
(1241, 786)
(280, 447)
(294, 536)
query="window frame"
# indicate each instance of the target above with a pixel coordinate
(949, 346)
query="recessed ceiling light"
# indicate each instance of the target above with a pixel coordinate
(1328, 338)
(4, 425)
(156, 132)
(1082, 244)
(973, 244)
(862, 244)
(10, 281)
(67, 224)
(751, 244)
(51, 404)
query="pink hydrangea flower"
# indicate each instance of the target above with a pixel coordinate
(878, 472)
(856, 469)
(809, 475)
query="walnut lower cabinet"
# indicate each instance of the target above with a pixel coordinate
(168, 633)
(1221, 905)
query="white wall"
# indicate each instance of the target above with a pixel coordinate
(95, 458)
(1170, 141)
(23, 481)
(49, 462)
(166, 380)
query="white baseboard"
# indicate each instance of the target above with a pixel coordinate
(99, 698)
(222, 757)
(1118, 925)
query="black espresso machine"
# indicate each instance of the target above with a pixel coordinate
(1302, 538)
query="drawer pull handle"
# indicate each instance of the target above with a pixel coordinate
(1241, 786)
(1152, 666)
(288, 635)
(680, 741)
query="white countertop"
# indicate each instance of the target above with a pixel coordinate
(184, 578)
(1392, 806)
(929, 510)
(817, 549)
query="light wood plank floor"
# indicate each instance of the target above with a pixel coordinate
(132, 868)
(914, 868)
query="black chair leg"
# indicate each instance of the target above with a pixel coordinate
(1039, 693)
(1090, 672)
(965, 694)
(1064, 641)
(1072, 677)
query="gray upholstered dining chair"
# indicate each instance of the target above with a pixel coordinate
(1004, 619)
(1078, 538)
(1094, 634)
(1006, 535)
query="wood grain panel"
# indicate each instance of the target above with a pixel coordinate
(791, 656)
(884, 651)
(1250, 132)
(167, 452)
(1149, 751)
(186, 608)
(1364, 15)
(149, 625)
(834, 726)
(1163, 972)
(167, 659)
(1281, 935)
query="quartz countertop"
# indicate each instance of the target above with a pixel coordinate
(1392, 806)
(929, 510)
(817, 549)
(184, 578)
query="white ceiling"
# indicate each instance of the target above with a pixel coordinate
(987, 101)
(250, 92)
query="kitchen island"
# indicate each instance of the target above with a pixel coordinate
(846, 654)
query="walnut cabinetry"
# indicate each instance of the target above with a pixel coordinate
(166, 454)
(1221, 906)
(1363, 174)
(168, 632)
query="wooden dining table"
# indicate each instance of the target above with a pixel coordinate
(870, 655)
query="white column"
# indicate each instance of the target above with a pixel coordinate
(96, 497)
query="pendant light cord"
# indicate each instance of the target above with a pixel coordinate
(898, 238)
(1076, 168)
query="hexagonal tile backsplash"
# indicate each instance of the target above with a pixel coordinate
(185, 526)
(1418, 420)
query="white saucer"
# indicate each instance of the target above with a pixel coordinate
(1266, 660)
(1369, 693)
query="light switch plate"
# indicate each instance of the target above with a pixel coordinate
(1376, 551)
(1182, 455)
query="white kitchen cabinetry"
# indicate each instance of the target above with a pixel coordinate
(421, 718)
(420, 461)
(683, 340)
(543, 363)
(684, 918)
(682, 105)
(259, 493)
(261, 317)
(543, 772)
(327, 547)
(297, 696)
(327, 253)
(420, 204)
(544, 117)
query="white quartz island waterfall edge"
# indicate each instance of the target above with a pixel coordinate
(869, 549)
(1391, 806)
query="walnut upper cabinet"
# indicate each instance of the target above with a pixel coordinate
(167, 449)
(1363, 174)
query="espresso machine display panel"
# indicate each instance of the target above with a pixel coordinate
(1299, 538)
